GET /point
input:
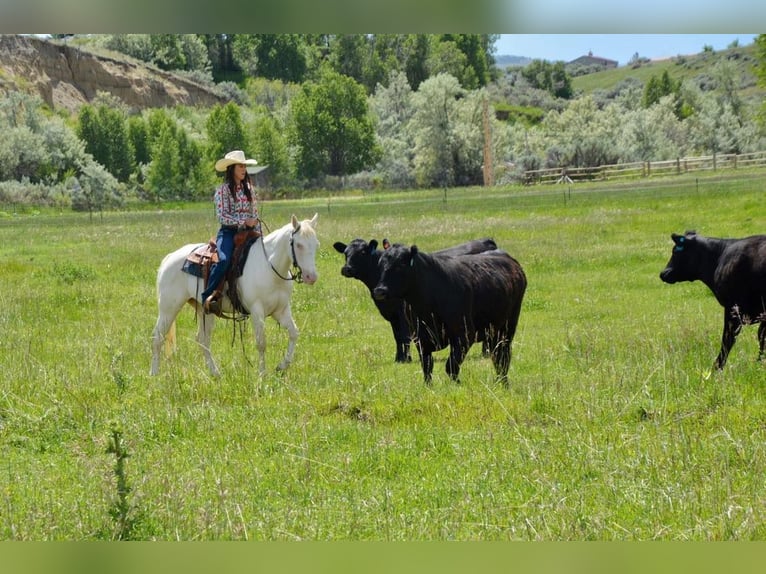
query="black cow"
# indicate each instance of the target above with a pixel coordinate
(456, 301)
(362, 263)
(734, 270)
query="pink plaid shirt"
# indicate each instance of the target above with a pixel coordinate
(233, 211)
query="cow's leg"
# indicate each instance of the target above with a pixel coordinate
(401, 332)
(205, 323)
(731, 328)
(458, 349)
(501, 359)
(426, 360)
(762, 339)
(285, 318)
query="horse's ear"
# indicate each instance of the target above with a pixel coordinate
(294, 221)
(314, 220)
(373, 244)
(339, 247)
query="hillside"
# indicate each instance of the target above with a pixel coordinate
(692, 67)
(66, 77)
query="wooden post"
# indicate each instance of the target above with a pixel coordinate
(489, 172)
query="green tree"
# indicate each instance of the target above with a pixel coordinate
(417, 47)
(270, 146)
(168, 52)
(225, 131)
(551, 77)
(104, 130)
(332, 129)
(433, 125)
(477, 49)
(164, 176)
(658, 87)
(348, 53)
(272, 56)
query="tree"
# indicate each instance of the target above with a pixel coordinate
(270, 147)
(164, 176)
(435, 106)
(104, 130)
(658, 87)
(393, 108)
(225, 131)
(348, 53)
(272, 56)
(552, 78)
(332, 129)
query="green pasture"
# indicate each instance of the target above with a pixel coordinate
(611, 428)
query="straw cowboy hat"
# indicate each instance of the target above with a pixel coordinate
(236, 156)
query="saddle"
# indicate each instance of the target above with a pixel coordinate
(199, 261)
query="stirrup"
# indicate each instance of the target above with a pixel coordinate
(213, 304)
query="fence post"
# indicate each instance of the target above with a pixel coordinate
(678, 165)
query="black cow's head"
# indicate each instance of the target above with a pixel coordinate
(360, 258)
(684, 264)
(396, 269)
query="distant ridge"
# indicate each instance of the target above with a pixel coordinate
(505, 61)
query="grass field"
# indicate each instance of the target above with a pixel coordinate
(610, 429)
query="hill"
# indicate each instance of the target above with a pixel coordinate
(694, 67)
(66, 77)
(505, 61)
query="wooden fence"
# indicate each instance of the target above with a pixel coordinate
(641, 169)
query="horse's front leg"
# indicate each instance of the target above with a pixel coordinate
(259, 329)
(204, 336)
(285, 319)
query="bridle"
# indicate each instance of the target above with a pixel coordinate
(295, 274)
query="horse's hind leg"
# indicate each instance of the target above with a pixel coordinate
(205, 323)
(161, 329)
(259, 329)
(762, 339)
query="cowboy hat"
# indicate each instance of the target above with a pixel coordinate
(236, 156)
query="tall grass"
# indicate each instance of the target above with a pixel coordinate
(610, 429)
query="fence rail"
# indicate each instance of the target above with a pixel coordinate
(641, 169)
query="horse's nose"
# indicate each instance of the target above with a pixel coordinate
(310, 277)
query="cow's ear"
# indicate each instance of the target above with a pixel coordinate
(679, 240)
(373, 244)
(414, 250)
(339, 247)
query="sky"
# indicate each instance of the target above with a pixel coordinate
(620, 47)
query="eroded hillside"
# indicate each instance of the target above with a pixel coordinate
(66, 77)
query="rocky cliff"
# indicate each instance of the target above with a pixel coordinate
(66, 77)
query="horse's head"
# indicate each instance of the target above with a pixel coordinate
(304, 246)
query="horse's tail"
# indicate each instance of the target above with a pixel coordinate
(170, 340)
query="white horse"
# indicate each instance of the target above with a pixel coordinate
(264, 289)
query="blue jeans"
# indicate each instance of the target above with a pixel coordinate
(225, 242)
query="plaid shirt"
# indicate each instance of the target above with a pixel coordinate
(233, 211)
